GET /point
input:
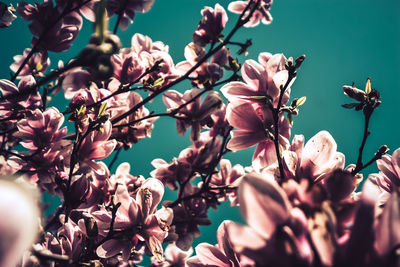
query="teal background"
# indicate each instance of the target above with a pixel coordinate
(345, 41)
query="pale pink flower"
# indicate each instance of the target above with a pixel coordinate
(211, 26)
(174, 257)
(260, 14)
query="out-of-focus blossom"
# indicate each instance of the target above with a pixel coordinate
(127, 66)
(171, 173)
(19, 220)
(36, 65)
(135, 128)
(6, 15)
(208, 72)
(262, 81)
(195, 114)
(96, 146)
(260, 14)
(127, 9)
(211, 26)
(55, 34)
(388, 179)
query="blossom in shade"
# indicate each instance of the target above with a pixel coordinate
(18, 99)
(261, 12)
(55, 34)
(211, 26)
(41, 129)
(219, 255)
(208, 72)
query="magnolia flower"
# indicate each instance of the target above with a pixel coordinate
(208, 72)
(277, 233)
(261, 12)
(6, 15)
(18, 99)
(55, 34)
(174, 257)
(136, 220)
(211, 26)
(96, 146)
(127, 9)
(389, 176)
(221, 255)
(36, 65)
(255, 123)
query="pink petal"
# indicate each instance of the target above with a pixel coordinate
(244, 139)
(243, 116)
(210, 255)
(263, 204)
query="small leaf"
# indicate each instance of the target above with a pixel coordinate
(301, 101)
(158, 83)
(290, 119)
(39, 66)
(351, 105)
(82, 110)
(368, 86)
(102, 109)
(258, 97)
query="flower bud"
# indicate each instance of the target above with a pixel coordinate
(353, 92)
(211, 103)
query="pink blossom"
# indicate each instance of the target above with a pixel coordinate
(18, 99)
(211, 26)
(260, 14)
(41, 129)
(6, 15)
(194, 114)
(262, 81)
(255, 124)
(127, 9)
(136, 219)
(96, 146)
(174, 257)
(208, 72)
(55, 34)
(19, 220)
(171, 173)
(219, 255)
(36, 65)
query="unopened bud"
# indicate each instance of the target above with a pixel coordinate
(353, 92)
(300, 61)
(383, 150)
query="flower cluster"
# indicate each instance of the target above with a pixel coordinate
(302, 205)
